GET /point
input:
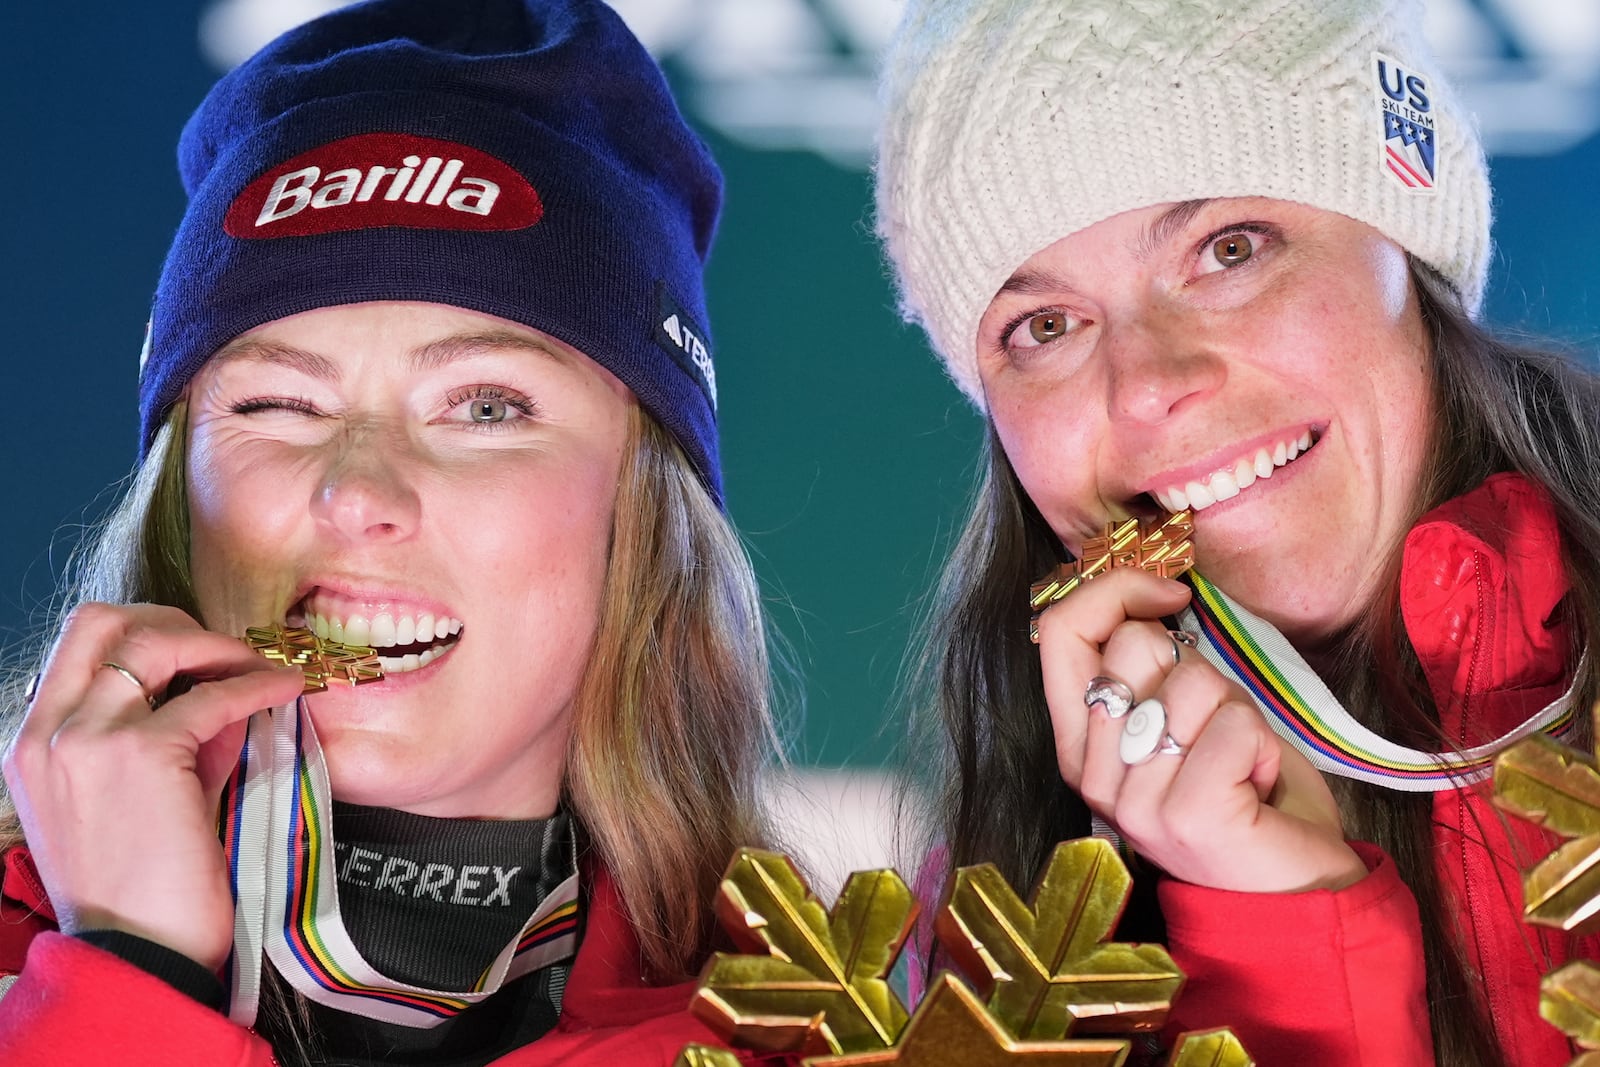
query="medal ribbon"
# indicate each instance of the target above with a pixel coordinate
(1305, 713)
(276, 831)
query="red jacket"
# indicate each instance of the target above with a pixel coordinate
(77, 1006)
(1480, 580)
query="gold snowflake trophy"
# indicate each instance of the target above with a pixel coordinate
(1039, 983)
(1559, 787)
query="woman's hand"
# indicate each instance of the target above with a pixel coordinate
(118, 802)
(1237, 808)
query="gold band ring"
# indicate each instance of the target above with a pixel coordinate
(134, 678)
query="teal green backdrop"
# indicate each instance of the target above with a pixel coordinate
(849, 457)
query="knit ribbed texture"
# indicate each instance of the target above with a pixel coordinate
(1011, 124)
(598, 237)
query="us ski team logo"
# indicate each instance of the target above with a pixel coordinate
(1410, 130)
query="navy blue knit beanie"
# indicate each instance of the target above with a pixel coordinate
(521, 158)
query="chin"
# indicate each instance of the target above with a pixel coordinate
(374, 769)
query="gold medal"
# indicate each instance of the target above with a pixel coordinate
(1164, 550)
(319, 659)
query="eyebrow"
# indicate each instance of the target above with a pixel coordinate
(308, 363)
(447, 350)
(1172, 220)
(430, 356)
(1151, 238)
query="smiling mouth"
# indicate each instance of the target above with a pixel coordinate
(1229, 481)
(404, 641)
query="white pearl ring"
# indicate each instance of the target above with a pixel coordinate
(1144, 734)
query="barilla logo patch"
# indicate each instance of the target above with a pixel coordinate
(1410, 143)
(685, 342)
(384, 179)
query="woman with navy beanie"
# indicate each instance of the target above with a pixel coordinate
(427, 403)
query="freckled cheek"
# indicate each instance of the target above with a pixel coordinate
(547, 538)
(248, 502)
(1054, 464)
(241, 519)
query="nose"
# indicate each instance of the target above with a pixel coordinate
(367, 494)
(1159, 365)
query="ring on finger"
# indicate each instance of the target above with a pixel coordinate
(1144, 733)
(1180, 638)
(1110, 694)
(1171, 746)
(134, 678)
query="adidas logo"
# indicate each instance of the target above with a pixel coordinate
(384, 179)
(685, 342)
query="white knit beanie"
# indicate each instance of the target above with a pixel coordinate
(1010, 124)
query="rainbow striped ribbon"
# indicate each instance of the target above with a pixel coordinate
(276, 831)
(1300, 707)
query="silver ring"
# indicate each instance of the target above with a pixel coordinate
(1143, 732)
(1110, 694)
(1170, 747)
(134, 678)
(1180, 638)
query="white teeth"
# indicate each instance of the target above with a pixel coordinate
(384, 630)
(411, 662)
(1227, 483)
(357, 631)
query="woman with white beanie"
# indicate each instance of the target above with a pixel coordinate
(1226, 259)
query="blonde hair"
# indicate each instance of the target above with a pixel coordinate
(672, 724)
(672, 721)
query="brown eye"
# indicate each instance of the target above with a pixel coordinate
(1233, 250)
(1046, 328)
(1039, 329)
